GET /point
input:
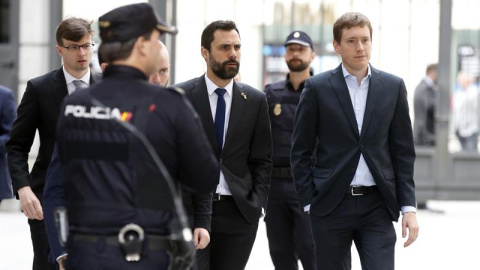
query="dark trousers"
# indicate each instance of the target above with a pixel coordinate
(101, 256)
(288, 228)
(363, 219)
(231, 239)
(40, 245)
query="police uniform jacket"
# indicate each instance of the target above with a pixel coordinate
(107, 181)
(282, 103)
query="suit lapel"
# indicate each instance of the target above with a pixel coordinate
(238, 104)
(59, 87)
(374, 91)
(94, 77)
(341, 90)
(199, 98)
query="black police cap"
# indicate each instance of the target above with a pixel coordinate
(299, 37)
(131, 21)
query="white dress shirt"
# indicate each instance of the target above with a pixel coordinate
(69, 80)
(222, 187)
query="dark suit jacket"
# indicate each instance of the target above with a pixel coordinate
(8, 113)
(325, 112)
(246, 156)
(424, 108)
(39, 109)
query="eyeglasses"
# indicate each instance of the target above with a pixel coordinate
(75, 48)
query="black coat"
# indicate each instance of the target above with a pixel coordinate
(38, 110)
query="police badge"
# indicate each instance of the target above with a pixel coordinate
(277, 110)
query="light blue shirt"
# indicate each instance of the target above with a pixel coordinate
(358, 95)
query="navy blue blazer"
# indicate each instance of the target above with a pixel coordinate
(53, 198)
(8, 114)
(325, 114)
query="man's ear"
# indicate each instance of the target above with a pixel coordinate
(140, 44)
(336, 46)
(59, 49)
(204, 53)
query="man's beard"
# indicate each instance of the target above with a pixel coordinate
(297, 67)
(222, 70)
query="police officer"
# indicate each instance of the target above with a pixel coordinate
(118, 205)
(288, 226)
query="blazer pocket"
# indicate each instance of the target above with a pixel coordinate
(389, 174)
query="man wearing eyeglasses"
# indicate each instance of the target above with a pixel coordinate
(39, 110)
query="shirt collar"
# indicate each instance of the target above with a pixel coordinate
(211, 87)
(69, 78)
(429, 81)
(301, 86)
(346, 73)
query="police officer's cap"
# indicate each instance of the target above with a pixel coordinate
(131, 21)
(299, 37)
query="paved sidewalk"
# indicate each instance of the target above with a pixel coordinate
(447, 241)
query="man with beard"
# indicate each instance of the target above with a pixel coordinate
(235, 119)
(288, 227)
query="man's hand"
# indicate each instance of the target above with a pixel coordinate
(61, 262)
(201, 238)
(409, 221)
(30, 204)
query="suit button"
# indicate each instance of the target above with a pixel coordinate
(221, 161)
(362, 146)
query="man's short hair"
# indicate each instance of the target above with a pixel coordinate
(349, 20)
(430, 68)
(73, 29)
(113, 51)
(209, 31)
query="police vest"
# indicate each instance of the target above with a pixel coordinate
(282, 106)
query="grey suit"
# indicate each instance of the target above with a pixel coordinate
(424, 108)
(246, 164)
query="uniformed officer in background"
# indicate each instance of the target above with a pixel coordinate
(119, 211)
(288, 226)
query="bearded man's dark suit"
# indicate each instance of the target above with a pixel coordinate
(39, 109)
(325, 114)
(245, 162)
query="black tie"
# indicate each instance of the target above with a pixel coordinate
(220, 117)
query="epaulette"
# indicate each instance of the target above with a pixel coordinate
(178, 90)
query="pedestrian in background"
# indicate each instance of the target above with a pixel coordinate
(355, 121)
(288, 226)
(424, 108)
(466, 111)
